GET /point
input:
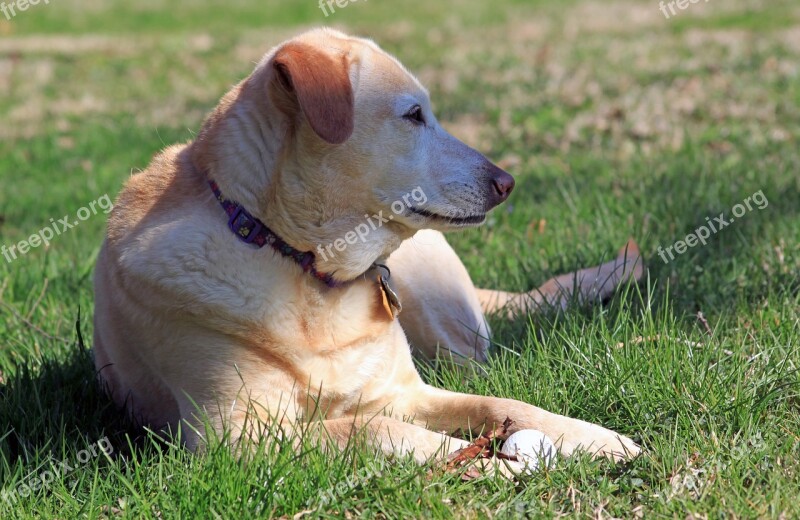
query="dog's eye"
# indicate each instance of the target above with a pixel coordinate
(415, 115)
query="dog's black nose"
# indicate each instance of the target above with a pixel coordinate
(503, 182)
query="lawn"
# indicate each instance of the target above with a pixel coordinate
(616, 121)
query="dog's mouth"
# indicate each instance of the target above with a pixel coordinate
(473, 220)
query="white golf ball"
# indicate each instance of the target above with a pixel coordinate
(531, 447)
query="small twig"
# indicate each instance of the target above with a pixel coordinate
(32, 325)
(481, 448)
(702, 319)
(38, 300)
(658, 337)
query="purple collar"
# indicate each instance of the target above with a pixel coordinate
(250, 230)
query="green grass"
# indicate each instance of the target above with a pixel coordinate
(616, 123)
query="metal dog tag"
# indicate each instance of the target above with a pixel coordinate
(390, 300)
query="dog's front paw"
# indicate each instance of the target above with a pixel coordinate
(598, 441)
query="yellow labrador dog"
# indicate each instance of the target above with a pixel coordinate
(259, 271)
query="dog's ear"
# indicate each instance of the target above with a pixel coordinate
(318, 84)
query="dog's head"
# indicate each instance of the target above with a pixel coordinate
(354, 150)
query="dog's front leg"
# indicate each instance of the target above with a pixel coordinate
(450, 411)
(386, 434)
(398, 438)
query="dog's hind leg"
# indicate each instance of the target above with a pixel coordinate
(593, 284)
(442, 314)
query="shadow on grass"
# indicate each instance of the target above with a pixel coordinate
(57, 410)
